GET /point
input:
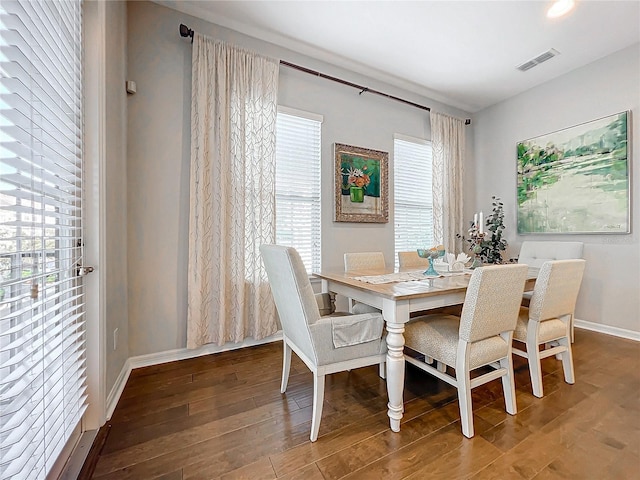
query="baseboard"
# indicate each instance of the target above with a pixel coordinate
(184, 353)
(172, 356)
(607, 329)
(118, 387)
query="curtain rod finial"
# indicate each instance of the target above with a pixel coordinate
(467, 121)
(185, 31)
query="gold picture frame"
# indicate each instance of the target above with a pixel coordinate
(361, 190)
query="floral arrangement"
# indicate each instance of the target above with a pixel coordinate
(488, 245)
(356, 177)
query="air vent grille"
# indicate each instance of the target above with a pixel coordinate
(543, 57)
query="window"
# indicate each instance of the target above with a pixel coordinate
(298, 184)
(42, 339)
(413, 194)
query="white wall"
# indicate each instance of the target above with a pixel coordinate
(115, 195)
(610, 293)
(158, 160)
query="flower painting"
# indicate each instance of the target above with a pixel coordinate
(576, 180)
(361, 184)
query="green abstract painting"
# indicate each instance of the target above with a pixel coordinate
(576, 180)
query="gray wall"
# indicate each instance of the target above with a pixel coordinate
(158, 160)
(611, 287)
(115, 195)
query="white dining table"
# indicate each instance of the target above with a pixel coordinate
(397, 300)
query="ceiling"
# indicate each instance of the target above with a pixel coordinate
(463, 53)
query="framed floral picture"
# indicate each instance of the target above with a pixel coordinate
(361, 184)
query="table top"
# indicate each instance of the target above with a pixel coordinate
(430, 286)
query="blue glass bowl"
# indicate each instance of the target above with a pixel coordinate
(431, 254)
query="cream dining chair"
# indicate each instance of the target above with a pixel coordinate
(359, 261)
(536, 253)
(327, 344)
(480, 337)
(412, 259)
(547, 320)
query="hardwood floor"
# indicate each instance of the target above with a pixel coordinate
(222, 416)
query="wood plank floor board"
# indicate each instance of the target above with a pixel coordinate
(223, 416)
(258, 470)
(460, 463)
(222, 434)
(124, 439)
(413, 457)
(359, 455)
(310, 472)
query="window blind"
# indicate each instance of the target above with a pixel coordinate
(298, 184)
(413, 194)
(42, 336)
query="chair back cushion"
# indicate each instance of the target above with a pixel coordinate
(556, 290)
(363, 261)
(293, 294)
(492, 301)
(412, 259)
(535, 253)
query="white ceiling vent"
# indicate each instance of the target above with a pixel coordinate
(543, 57)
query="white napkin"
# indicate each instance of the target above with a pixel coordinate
(450, 258)
(463, 257)
(456, 263)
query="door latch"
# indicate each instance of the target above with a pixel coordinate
(82, 271)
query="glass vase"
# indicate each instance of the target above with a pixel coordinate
(356, 194)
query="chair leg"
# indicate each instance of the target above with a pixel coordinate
(535, 368)
(464, 399)
(571, 328)
(382, 370)
(567, 362)
(286, 366)
(351, 303)
(318, 398)
(440, 366)
(508, 385)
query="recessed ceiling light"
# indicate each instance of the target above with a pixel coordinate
(560, 8)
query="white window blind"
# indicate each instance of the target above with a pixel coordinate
(42, 339)
(298, 184)
(413, 197)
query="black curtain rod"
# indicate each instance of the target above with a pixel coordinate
(187, 32)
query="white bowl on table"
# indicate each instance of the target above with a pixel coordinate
(441, 267)
(457, 267)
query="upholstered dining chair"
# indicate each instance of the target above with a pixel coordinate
(536, 253)
(327, 344)
(412, 259)
(363, 261)
(547, 320)
(481, 337)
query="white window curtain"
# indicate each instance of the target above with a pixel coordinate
(298, 157)
(232, 193)
(448, 142)
(42, 317)
(413, 195)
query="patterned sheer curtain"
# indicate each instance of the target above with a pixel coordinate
(448, 143)
(232, 193)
